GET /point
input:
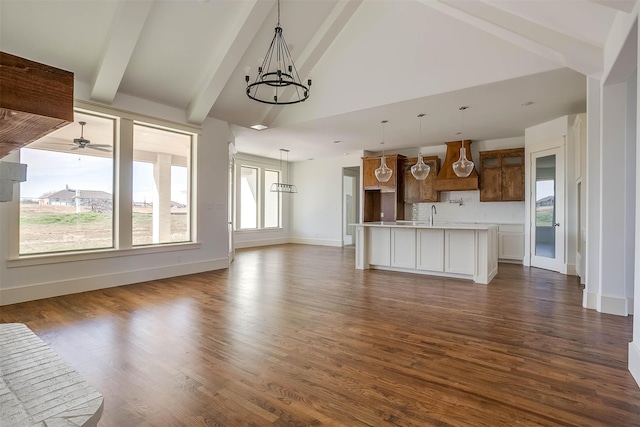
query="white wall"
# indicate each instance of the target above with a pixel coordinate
(317, 207)
(51, 275)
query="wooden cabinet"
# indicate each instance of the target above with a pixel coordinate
(395, 162)
(421, 191)
(502, 175)
(383, 201)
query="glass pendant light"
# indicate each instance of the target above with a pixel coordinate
(463, 167)
(383, 173)
(420, 170)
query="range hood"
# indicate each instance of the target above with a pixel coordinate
(447, 180)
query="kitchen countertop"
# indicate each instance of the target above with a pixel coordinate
(425, 224)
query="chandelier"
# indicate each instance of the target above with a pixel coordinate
(420, 170)
(463, 167)
(276, 74)
(284, 187)
(383, 173)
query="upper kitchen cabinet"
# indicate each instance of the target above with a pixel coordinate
(421, 191)
(395, 162)
(383, 201)
(502, 175)
(36, 100)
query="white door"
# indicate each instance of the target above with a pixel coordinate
(231, 204)
(349, 204)
(547, 209)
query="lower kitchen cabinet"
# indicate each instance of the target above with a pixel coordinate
(380, 246)
(511, 242)
(459, 254)
(403, 247)
(429, 253)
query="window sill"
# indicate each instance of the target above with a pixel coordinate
(258, 230)
(40, 259)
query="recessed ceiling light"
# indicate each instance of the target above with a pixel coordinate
(526, 104)
(337, 142)
(259, 127)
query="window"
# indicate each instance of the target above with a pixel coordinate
(161, 161)
(257, 207)
(66, 204)
(69, 201)
(271, 200)
(248, 197)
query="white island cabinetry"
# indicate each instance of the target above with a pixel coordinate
(467, 251)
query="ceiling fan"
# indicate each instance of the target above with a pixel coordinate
(82, 142)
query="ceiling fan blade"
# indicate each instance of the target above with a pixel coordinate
(74, 148)
(100, 145)
(98, 148)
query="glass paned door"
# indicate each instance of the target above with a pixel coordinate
(547, 209)
(545, 218)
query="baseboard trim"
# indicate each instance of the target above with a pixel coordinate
(630, 303)
(589, 300)
(571, 270)
(84, 284)
(318, 242)
(260, 242)
(612, 305)
(634, 361)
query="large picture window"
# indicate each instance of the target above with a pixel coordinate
(66, 204)
(161, 173)
(70, 201)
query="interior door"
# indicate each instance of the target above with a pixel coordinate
(231, 204)
(350, 188)
(547, 209)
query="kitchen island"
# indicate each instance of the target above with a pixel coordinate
(461, 250)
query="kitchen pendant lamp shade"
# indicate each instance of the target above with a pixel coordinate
(283, 187)
(420, 170)
(277, 81)
(383, 173)
(463, 167)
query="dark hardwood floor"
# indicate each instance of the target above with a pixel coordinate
(293, 335)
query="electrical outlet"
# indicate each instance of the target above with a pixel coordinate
(381, 214)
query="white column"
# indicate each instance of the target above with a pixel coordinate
(592, 179)
(612, 292)
(162, 199)
(123, 209)
(634, 346)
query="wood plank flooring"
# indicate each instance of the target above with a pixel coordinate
(293, 335)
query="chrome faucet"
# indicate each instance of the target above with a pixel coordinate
(433, 212)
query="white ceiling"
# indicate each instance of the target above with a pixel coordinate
(371, 60)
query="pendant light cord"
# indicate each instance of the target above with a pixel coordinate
(278, 13)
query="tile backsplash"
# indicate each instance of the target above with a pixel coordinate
(471, 209)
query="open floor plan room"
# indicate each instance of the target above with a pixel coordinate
(294, 335)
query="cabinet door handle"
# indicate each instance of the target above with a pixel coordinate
(557, 224)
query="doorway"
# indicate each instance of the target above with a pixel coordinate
(350, 203)
(547, 209)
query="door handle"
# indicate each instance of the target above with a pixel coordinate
(557, 224)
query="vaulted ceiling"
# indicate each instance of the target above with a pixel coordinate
(515, 63)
